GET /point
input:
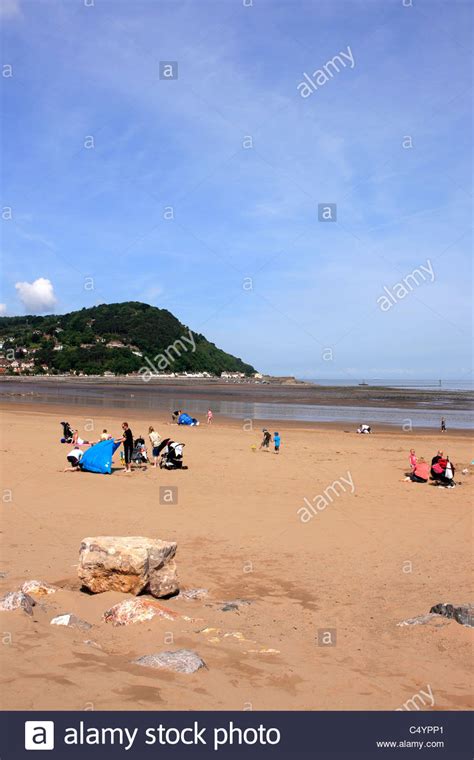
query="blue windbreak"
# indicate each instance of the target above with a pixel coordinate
(99, 457)
(185, 419)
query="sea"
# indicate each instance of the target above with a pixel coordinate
(420, 414)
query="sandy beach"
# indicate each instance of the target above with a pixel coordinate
(382, 551)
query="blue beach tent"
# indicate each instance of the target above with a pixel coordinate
(99, 457)
(185, 419)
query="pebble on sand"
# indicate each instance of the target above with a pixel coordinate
(138, 611)
(71, 621)
(181, 661)
(38, 587)
(16, 600)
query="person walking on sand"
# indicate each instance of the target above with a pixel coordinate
(209, 416)
(155, 442)
(276, 441)
(267, 437)
(127, 440)
(443, 425)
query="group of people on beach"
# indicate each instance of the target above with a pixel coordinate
(165, 453)
(134, 449)
(441, 471)
(267, 439)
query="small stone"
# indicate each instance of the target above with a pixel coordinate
(137, 611)
(15, 600)
(419, 620)
(71, 621)
(234, 605)
(193, 593)
(462, 613)
(180, 661)
(38, 587)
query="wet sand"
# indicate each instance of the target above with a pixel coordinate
(376, 555)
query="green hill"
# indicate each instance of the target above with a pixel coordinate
(116, 338)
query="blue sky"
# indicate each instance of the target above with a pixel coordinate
(245, 259)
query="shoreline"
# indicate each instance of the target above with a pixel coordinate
(149, 416)
(303, 405)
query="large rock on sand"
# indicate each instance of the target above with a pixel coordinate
(130, 564)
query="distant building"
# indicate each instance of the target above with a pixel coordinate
(232, 375)
(115, 344)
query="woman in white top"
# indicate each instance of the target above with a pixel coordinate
(154, 440)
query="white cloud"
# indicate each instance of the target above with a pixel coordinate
(36, 296)
(10, 8)
(3, 308)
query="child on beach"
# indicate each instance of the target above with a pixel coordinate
(267, 437)
(276, 441)
(443, 425)
(209, 416)
(412, 459)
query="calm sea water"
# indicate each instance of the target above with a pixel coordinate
(463, 384)
(125, 398)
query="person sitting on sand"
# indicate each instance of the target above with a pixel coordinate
(74, 458)
(155, 442)
(412, 459)
(78, 441)
(443, 471)
(267, 437)
(104, 436)
(175, 415)
(421, 472)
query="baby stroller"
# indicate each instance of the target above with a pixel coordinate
(67, 433)
(171, 455)
(139, 454)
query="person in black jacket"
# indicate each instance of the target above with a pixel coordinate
(127, 440)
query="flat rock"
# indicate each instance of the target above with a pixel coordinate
(17, 600)
(461, 613)
(130, 564)
(71, 621)
(193, 593)
(233, 605)
(181, 661)
(38, 588)
(423, 620)
(138, 611)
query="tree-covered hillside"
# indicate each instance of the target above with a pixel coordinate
(115, 338)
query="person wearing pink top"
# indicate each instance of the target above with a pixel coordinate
(421, 473)
(412, 459)
(209, 416)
